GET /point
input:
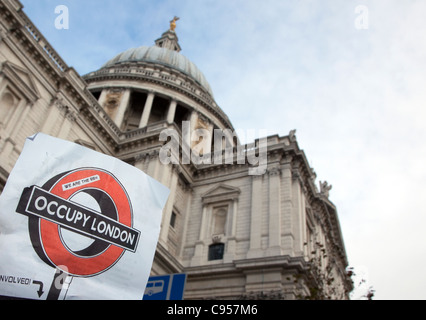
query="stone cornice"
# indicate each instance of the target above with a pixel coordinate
(21, 28)
(15, 75)
(286, 261)
(249, 265)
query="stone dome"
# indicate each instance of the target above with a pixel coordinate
(171, 79)
(163, 56)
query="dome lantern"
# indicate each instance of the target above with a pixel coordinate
(169, 39)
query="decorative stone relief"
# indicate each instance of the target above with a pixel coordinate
(112, 102)
(274, 171)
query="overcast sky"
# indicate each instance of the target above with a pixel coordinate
(354, 89)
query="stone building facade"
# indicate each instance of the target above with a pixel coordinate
(239, 230)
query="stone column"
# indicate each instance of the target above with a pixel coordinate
(274, 247)
(103, 97)
(193, 122)
(147, 110)
(124, 103)
(287, 207)
(52, 116)
(198, 257)
(69, 119)
(231, 233)
(256, 218)
(14, 123)
(13, 127)
(188, 213)
(299, 215)
(167, 213)
(234, 217)
(172, 111)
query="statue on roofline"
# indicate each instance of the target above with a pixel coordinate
(325, 188)
(173, 23)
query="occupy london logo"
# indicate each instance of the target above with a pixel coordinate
(80, 221)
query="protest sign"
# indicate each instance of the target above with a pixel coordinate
(77, 224)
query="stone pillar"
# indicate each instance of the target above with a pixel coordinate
(14, 123)
(172, 111)
(167, 213)
(198, 257)
(234, 217)
(274, 247)
(193, 122)
(231, 233)
(299, 216)
(147, 110)
(69, 119)
(52, 116)
(188, 213)
(287, 208)
(103, 97)
(256, 218)
(203, 223)
(124, 103)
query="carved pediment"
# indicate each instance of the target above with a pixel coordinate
(221, 193)
(21, 79)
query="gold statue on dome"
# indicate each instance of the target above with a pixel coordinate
(173, 23)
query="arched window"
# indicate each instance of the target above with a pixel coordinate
(216, 251)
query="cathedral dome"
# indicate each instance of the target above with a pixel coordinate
(163, 56)
(159, 84)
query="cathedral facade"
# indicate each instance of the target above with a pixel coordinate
(243, 221)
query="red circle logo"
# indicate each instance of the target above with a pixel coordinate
(92, 206)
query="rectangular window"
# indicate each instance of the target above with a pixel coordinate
(173, 220)
(216, 251)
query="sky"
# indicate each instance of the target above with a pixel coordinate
(349, 75)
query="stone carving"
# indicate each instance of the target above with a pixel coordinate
(292, 136)
(112, 100)
(217, 238)
(274, 171)
(325, 188)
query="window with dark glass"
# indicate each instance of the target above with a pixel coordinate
(216, 251)
(173, 220)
